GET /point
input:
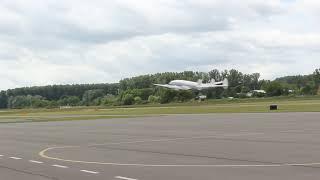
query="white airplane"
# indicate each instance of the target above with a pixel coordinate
(186, 85)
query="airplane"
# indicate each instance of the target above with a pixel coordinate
(187, 85)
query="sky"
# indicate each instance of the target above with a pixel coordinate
(45, 42)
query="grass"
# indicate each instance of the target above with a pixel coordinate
(23, 119)
(286, 104)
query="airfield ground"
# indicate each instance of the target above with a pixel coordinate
(259, 105)
(246, 146)
(239, 140)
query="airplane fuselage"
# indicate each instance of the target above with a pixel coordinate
(185, 85)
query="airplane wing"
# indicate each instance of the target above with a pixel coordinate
(224, 82)
(173, 86)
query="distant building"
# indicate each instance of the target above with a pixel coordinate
(201, 97)
(256, 92)
(260, 91)
(65, 107)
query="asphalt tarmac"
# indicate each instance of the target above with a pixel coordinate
(176, 147)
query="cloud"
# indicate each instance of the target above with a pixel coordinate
(171, 52)
(53, 42)
(102, 21)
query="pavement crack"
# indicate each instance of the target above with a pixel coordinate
(191, 155)
(308, 166)
(262, 141)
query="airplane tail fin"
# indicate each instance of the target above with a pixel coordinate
(199, 81)
(225, 83)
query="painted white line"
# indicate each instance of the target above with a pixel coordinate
(124, 178)
(91, 172)
(1, 155)
(37, 162)
(59, 166)
(43, 154)
(15, 158)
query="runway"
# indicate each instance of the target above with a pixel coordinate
(174, 147)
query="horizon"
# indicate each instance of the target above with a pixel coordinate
(133, 77)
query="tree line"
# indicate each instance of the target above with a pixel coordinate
(140, 90)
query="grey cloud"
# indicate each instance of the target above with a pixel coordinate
(58, 23)
(268, 8)
(50, 42)
(234, 50)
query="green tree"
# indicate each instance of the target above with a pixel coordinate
(109, 99)
(137, 100)
(90, 95)
(18, 102)
(167, 95)
(69, 101)
(255, 81)
(273, 88)
(153, 99)
(185, 95)
(316, 79)
(215, 74)
(128, 99)
(3, 100)
(307, 90)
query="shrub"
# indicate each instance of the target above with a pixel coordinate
(153, 99)
(137, 100)
(128, 99)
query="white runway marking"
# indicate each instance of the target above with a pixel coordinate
(43, 154)
(37, 162)
(1, 155)
(124, 178)
(60, 166)
(15, 158)
(91, 172)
